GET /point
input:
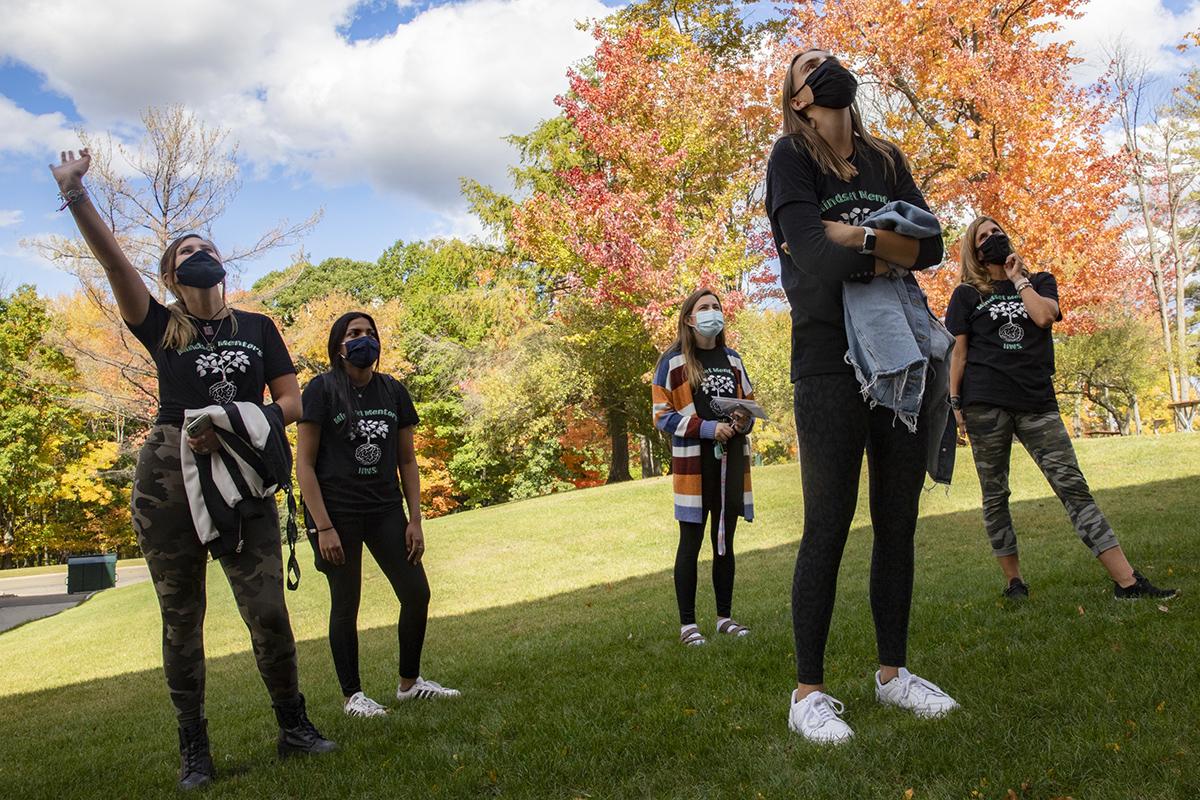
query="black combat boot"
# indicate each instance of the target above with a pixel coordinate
(296, 733)
(195, 760)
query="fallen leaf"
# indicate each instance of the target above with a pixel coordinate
(1081, 609)
(689, 711)
(1161, 706)
(908, 795)
(1011, 795)
(1164, 609)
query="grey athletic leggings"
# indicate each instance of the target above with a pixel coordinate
(835, 427)
(178, 565)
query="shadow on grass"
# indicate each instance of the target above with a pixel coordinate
(588, 693)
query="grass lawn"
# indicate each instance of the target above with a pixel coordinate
(556, 618)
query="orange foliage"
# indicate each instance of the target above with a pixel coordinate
(984, 107)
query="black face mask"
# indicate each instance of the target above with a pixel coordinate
(361, 352)
(200, 271)
(832, 85)
(995, 249)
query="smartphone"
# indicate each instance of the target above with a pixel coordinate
(198, 425)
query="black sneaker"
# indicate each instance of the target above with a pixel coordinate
(1017, 590)
(1142, 588)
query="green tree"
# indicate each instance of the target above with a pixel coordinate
(1110, 367)
(50, 495)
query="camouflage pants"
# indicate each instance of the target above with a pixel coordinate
(991, 430)
(178, 565)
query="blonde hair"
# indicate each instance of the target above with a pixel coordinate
(181, 328)
(971, 270)
(798, 128)
(685, 338)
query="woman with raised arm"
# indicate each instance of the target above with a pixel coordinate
(206, 354)
(357, 467)
(1001, 386)
(710, 453)
(826, 174)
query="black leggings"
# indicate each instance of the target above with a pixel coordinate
(384, 537)
(691, 539)
(834, 425)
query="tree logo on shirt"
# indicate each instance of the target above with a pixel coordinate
(855, 215)
(224, 362)
(369, 429)
(718, 384)
(1009, 331)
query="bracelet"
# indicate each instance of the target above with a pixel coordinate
(72, 197)
(1023, 285)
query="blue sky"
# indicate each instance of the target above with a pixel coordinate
(372, 110)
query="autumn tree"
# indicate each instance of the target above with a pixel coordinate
(52, 498)
(664, 195)
(184, 175)
(981, 100)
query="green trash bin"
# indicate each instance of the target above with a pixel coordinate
(91, 573)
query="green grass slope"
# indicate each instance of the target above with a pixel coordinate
(556, 619)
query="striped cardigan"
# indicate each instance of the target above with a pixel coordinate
(675, 413)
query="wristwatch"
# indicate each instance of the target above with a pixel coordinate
(956, 402)
(868, 247)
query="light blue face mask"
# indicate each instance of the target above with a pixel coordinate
(710, 322)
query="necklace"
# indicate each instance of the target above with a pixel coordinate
(208, 332)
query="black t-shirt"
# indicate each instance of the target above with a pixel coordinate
(358, 467)
(812, 275)
(1010, 360)
(719, 381)
(235, 366)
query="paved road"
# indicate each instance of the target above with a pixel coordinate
(30, 597)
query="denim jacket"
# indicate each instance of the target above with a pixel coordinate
(899, 351)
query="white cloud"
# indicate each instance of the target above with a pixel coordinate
(410, 112)
(30, 134)
(1146, 27)
(10, 218)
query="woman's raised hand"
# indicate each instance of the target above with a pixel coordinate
(70, 172)
(1014, 267)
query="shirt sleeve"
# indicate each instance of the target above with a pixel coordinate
(314, 401)
(276, 359)
(958, 311)
(405, 410)
(152, 329)
(1046, 285)
(932, 249)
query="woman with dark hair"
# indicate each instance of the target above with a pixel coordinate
(1001, 386)
(355, 439)
(710, 453)
(206, 354)
(826, 174)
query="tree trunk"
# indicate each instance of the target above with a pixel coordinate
(1077, 417)
(618, 431)
(651, 468)
(1137, 417)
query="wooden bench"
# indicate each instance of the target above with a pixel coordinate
(1185, 414)
(1089, 434)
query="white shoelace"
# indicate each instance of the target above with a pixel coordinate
(919, 688)
(824, 708)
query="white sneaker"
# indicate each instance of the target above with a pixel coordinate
(359, 705)
(424, 690)
(816, 718)
(916, 694)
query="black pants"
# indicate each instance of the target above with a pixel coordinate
(834, 426)
(691, 539)
(384, 537)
